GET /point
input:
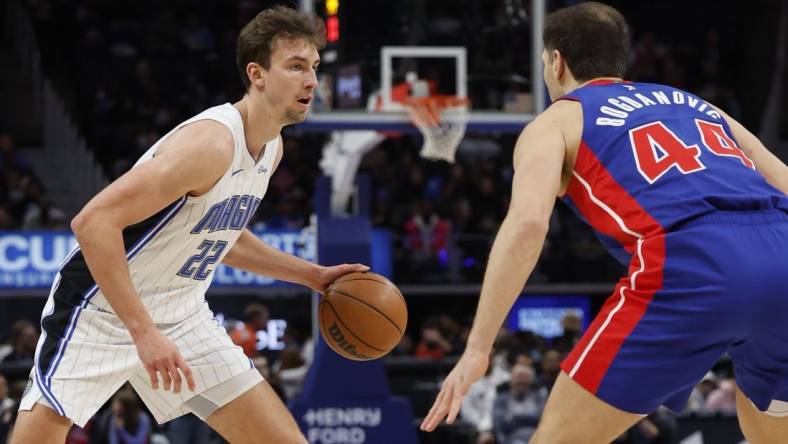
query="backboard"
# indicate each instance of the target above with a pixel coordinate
(455, 46)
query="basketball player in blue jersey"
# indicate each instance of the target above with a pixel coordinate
(683, 194)
(128, 304)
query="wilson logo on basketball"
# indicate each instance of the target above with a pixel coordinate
(341, 342)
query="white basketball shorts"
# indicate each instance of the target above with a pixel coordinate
(78, 368)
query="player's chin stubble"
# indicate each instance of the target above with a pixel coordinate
(294, 117)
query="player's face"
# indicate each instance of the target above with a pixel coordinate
(291, 81)
(549, 76)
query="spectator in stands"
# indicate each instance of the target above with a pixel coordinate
(426, 231)
(432, 345)
(516, 412)
(256, 317)
(124, 423)
(427, 240)
(550, 368)
(24, 337)
(700, 393)
(487, 207)
(522, 357)
(466, 255)
(297, 335)
(10, 159)
(404, 347)
(722, 400)
(15, 193)
(572, 325)
(41, 215)
(452, 331)
(291, 371)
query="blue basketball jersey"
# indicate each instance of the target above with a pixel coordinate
(652, 158)
(661, 179)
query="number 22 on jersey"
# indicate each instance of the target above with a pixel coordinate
(197, 266)
(657, 149)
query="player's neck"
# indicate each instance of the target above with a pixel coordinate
(259, 127)
(571, 84)
(597, 79)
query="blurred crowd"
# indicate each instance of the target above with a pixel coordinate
(504, 407)
(24, 203)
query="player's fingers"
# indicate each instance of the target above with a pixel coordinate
(176, 377)
(437, 412)
(165, 375)
(187, 373)
(360, 267)
(443, 410)
(431, 412)
(154, 379)
(454, 407)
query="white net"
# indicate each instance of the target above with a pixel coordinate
(442, 121)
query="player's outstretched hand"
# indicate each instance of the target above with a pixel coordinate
(161, 357)
(328, 275)
(471, 366)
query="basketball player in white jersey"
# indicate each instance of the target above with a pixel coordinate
(128, 304)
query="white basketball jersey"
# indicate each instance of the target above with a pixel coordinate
(172, 255)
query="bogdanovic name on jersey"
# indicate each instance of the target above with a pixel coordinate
(623, 105)
(232, 213)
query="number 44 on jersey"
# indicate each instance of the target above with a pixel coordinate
(657, 149)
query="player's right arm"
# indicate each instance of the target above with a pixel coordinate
(772, 168)
(189, 162)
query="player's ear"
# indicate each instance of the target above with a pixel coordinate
(559, 65)
(256, 75)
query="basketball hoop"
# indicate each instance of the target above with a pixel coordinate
(442, 121)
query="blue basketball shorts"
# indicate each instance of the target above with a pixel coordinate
(716, 285)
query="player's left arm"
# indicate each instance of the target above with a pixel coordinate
(251, 254)
(772, 168)
(538, 163)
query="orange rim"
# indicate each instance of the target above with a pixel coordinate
(427, 110)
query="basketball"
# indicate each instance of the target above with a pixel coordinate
(362, 316)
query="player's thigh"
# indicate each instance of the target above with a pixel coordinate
(40, 425)
(257, 416)
(220, 370)
(759, 427)
(573, 416)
